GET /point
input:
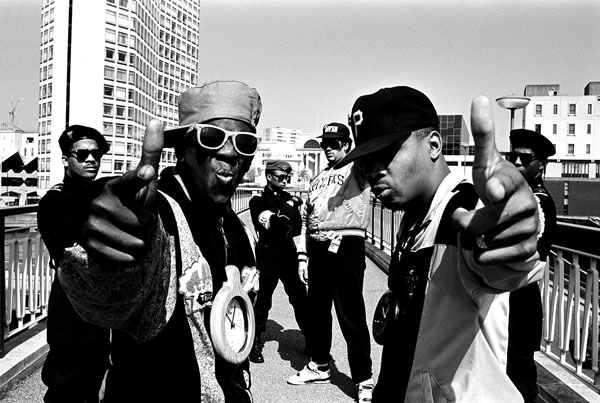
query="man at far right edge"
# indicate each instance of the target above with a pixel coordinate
(530, 152)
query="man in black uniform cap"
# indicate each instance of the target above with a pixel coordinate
(79, 351)
(276, 218)
(530, 152)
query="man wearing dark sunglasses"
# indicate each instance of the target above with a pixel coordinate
(276, 218)
(529, 153)
(331, 257)
(154, 253)
(79, 351)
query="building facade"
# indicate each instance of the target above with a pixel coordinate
(113, 65)
(18, 166)
(571, 123)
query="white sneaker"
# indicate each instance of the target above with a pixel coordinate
(365, 391)
(310, 374)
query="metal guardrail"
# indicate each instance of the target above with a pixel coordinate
(570, 296)
(26, 276)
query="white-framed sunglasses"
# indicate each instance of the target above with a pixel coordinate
(214, 137)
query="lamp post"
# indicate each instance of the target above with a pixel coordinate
(512, 102)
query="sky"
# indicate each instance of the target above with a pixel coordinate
(311, 59)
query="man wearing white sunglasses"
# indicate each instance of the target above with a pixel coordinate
(154, 253)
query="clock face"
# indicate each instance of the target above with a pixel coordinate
(236, 326)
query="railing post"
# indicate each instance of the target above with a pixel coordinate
(392, 235)
(381, 227)
(373, 202)
(2, 286)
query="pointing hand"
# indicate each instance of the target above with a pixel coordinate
(122, 218)
(505, 229)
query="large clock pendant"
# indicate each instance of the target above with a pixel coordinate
(232, 323)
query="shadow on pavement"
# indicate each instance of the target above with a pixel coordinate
(291, 349)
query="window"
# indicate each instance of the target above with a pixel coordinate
(554, 128)
(110, 35)
(118, 166)
(109, 73)
(123, 21)
(588, 149)
(575, 169)
(121, 93)
(589, 128)
(120, 129)
(570, 149)
(109, 91)
(123, 3)
(108, 110)
(538, 109)
(538, 128)
(589, 109)
(111, 17)
(107, 129)
(109, 54)
(121, 75)
(119, 148)
(572, 109)
(122, 56)
(120, 111)
(122, 39)
(571, 129)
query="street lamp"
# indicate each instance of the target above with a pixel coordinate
(512, 102)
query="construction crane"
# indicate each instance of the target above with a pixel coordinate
(14, 105)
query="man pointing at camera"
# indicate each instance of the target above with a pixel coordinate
(461, 246)
(154, 253)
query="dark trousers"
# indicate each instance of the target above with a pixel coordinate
(275, 265)
(337, 278)
(79, 353)
(524, 337)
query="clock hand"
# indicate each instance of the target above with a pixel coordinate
(233, 317)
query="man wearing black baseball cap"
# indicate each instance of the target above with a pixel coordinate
(276, 218)
(331, 256)
(529, 153)
(443, 322)
(79, 351)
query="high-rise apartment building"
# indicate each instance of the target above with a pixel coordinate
(112, 65)
(571, 123)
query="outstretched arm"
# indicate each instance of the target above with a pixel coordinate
(504, 230)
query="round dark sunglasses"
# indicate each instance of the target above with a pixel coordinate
(82, 154)
(214, 137)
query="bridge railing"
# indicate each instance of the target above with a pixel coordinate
(26, 276)
(569, 290)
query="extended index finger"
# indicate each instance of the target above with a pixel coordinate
(487, 176)
(147, 169)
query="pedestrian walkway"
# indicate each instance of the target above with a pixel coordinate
(284, 356)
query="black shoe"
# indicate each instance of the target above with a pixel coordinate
(256, 355)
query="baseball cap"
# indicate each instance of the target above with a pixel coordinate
(219, 99)
(278, 165)
(335, 131)
(540, 145)
(387, 116)
(74, 133)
